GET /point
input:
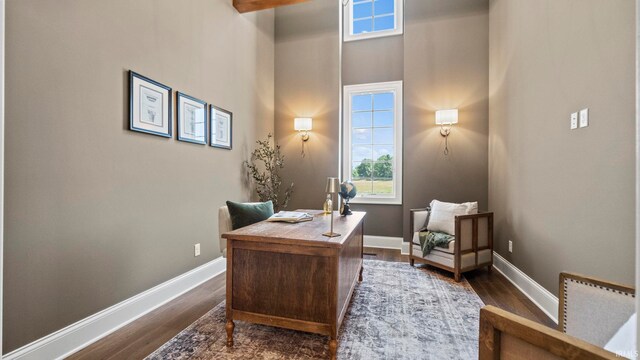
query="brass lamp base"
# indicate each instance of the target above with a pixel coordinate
(330, 234)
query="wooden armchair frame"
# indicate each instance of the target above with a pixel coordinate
(457, 269)
(504, 335)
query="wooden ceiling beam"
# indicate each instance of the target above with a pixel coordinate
(244, 6)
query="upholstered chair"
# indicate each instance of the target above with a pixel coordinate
(594, 318)
(472, 248)
(591, 309)
(224, 226)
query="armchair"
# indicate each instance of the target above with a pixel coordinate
(224, 226)
(590, 313)
(472, 248)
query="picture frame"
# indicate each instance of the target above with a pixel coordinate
(149, 106)
(192, 119)
(221, 128)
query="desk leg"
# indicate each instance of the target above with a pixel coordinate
(333, 348)
(230, 326)
(361, 268)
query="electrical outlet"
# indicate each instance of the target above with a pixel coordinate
(584, 118)
(574, 121)
(510, 246)
(196, 249)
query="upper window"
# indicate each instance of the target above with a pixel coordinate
(373, 141)
(365, 19)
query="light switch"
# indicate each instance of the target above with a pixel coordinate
(574, 121)
(584, 118)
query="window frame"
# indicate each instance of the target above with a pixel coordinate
(348, 23)
(349, 91)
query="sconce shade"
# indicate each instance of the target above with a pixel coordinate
(302, 124)
(447, 117)
(332, 185)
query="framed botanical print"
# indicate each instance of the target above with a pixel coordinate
(192, 119)
(221, 127)
(149, 106)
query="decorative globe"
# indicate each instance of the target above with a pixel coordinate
(348, 191)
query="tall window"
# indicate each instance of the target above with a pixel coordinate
(365, 19)
(373, 141)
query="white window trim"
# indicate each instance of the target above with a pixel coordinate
(349, 90)
(348, 24)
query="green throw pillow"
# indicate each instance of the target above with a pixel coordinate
(243, 214)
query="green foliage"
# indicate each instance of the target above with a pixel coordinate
(380, 169)
(365, 169)
(268, 180)
(383, 168)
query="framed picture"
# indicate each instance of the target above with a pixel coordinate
(221, 127)
(192, 119)
(149, 106)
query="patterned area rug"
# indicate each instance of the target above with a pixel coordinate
(397, 312)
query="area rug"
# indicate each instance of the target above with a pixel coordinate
(397, 312)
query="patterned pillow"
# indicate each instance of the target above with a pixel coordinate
(443, 215)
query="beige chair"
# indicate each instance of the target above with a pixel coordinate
(590, 313)
(224, 226)
(472, 248)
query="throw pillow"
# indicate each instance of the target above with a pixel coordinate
(443, 215)
(245, 214)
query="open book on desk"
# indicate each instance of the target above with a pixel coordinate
(291, 217)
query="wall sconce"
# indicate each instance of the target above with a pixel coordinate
(446, 119)
(303, 126)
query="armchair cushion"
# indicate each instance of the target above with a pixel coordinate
(443, 215)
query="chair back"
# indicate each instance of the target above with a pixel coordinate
(591, 309)
(224, 226)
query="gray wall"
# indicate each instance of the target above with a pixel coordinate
(446, 65)
(307, 85)
(442, 58)
(565, 197)
(96, 213)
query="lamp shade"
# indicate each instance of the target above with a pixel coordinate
(447, 117)
(332, 185)
(302, 124)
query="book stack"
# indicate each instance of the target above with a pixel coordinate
(291, 217)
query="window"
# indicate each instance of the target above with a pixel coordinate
(365, 19)
(372, 141)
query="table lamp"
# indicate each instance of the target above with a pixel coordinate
(333, 187)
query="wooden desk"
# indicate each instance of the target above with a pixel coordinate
(290, 276)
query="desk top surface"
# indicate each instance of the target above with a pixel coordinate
(307, 233)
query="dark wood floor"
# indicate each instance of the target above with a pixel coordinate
(143, 336)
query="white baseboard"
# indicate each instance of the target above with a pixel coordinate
(541, 297)
(383, 242)
(405, 248)
(76, 336)
(387, 242)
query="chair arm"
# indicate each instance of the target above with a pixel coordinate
(475, 216)
(593, 309)
(473, 232)
(504, 335)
